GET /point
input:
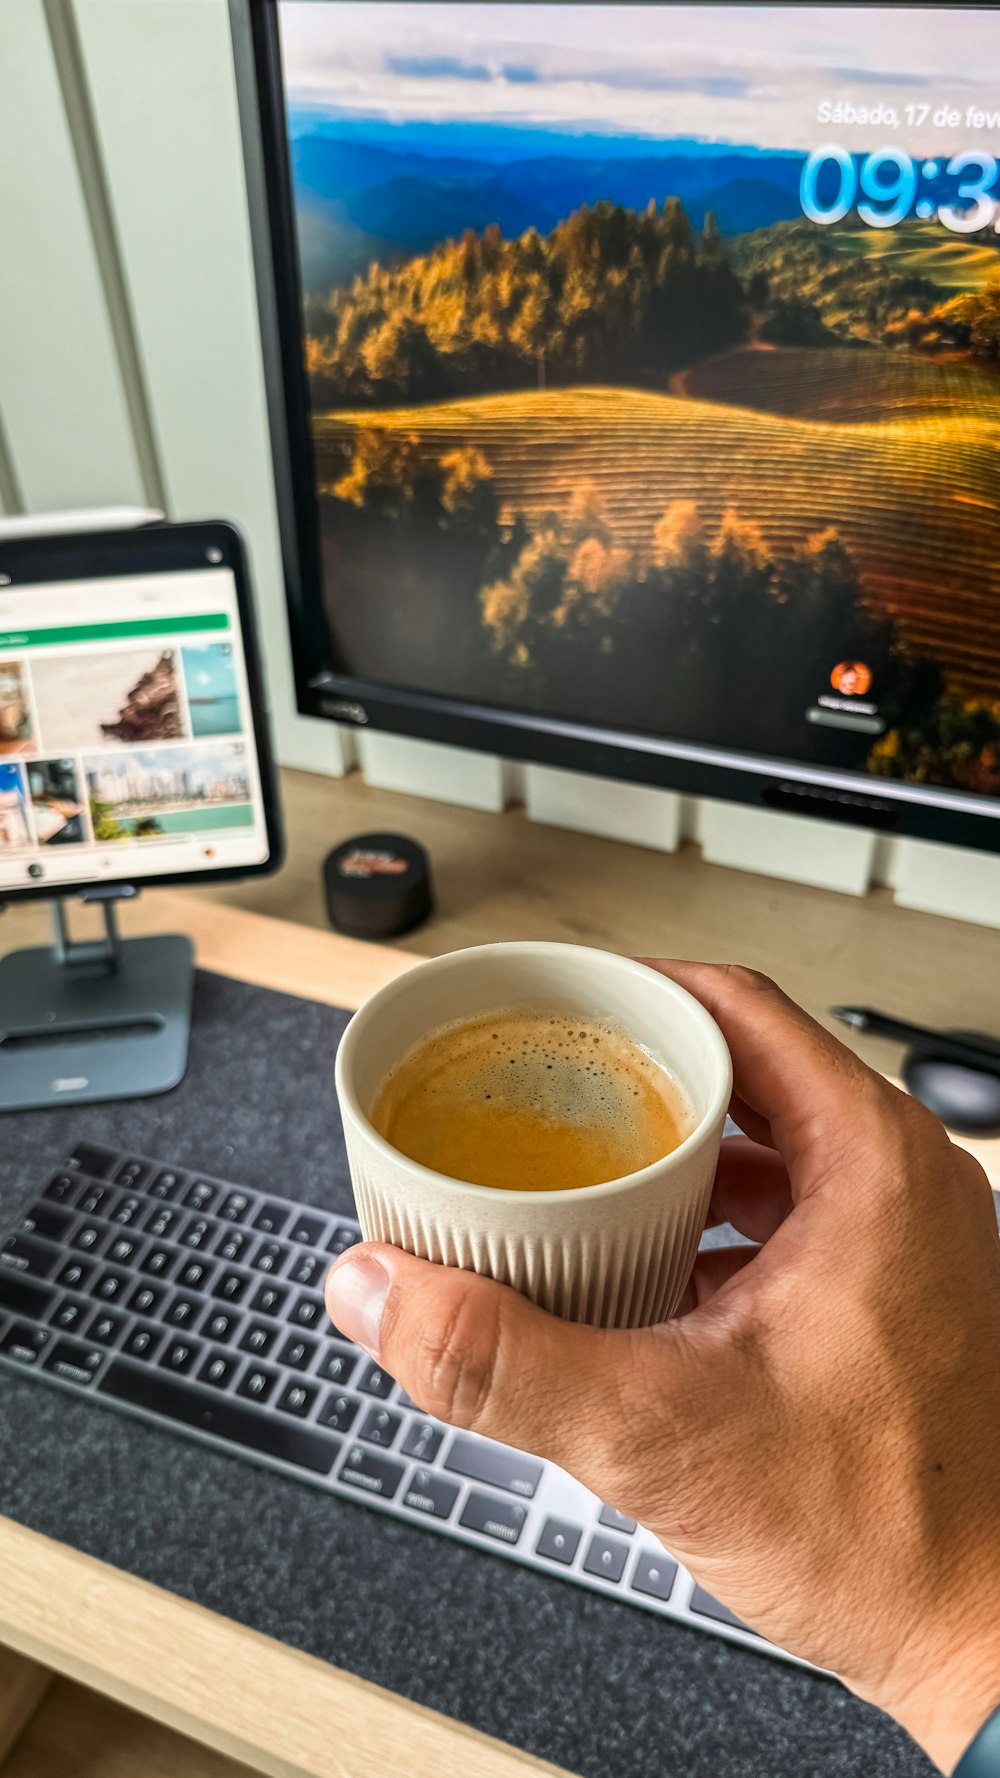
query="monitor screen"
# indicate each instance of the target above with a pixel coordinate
(127, 744)
(652, 368)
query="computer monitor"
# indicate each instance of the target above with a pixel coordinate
(638, 406)
(133, 751)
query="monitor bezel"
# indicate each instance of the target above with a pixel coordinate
(323, 689)
(155, 549)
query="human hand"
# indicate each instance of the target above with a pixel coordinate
(816, 1435)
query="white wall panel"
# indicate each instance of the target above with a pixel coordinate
(161, 78)
(66, 419)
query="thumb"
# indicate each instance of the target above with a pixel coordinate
(480, 1356)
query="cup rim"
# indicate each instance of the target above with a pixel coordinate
(703, 1130)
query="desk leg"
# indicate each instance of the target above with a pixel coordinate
(23, 1685)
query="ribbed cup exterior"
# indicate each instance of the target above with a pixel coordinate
(613, 1255)
(625, 1266)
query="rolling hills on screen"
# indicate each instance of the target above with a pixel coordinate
(890, 454)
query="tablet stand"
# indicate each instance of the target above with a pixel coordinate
(91, 1019)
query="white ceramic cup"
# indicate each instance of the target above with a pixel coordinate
(614, 1255)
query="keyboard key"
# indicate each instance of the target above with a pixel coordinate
(90, 1157)
(89, 1237)
(180, 1355)
(372, 1475)
(559, 1540)
(132, 1172)
(95, 1200)
(258, 1339)
(219, 1369)
(220, 1325)
(147, 1299)
(309, 1311)
(111, 1285)
(339, 1412)
(61, 1188)
(380, 1427)
(270, 1257)
(164, 1223)
(158, 1263)
(195, 1274)
(69, 1315)
(167, 1184)
(308, 1229)
(236, 1207)
(23, 1343)
(653, 1574)
(501, 1519)
(706, 1606)
(257, 1382)
(423, 1441)
(74, 1362)
(309, 1268)
(128, 1210)
(48, 1220)
(298, 1352)
(495, 1464)
(271, 1219)
(375, 1381)
(298, 1398)
(606, 1556)
(343, 1237)
(201, 1196)
(183, 1311)
(143, 1342)
(284, 1439)
(616, 1521)
(231, 1287)
(28, 1256)
(106, 1329)
(338, 1364)
(234, 1245)
(269, 1299)
(24, 1298)
(123, 1250)
(429, 1493)
(198, 1232)
(76, 1274)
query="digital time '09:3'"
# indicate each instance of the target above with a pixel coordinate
(887, 180)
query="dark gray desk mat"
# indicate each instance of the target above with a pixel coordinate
(599, 1688)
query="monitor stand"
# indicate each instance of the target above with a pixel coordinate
(106, 1018)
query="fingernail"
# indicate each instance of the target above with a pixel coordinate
(355, 1298)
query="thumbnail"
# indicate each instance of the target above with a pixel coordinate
(210, 683)
(54, 787)
(15, 713)
(87, 700)
(165, 792)
(14, 830)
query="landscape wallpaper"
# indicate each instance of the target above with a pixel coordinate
(654, 367)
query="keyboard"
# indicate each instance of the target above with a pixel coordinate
(197, 1304)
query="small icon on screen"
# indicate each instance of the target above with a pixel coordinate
(851, 678)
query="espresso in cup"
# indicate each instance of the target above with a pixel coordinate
(531, 1101)
(565, 1145)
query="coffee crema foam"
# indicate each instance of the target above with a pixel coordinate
(531, 1101)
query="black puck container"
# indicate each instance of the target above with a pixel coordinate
(377, 885)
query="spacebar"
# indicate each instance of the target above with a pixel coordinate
(143, 1388)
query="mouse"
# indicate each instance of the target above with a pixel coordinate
(965, 1099)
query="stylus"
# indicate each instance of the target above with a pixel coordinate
(952, 1049)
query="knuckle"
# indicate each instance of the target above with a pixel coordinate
(459, 1357)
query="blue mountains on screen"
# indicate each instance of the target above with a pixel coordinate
(359, 199)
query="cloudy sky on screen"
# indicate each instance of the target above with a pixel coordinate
(722, 73)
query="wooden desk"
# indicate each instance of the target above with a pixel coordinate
(279, 1711)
